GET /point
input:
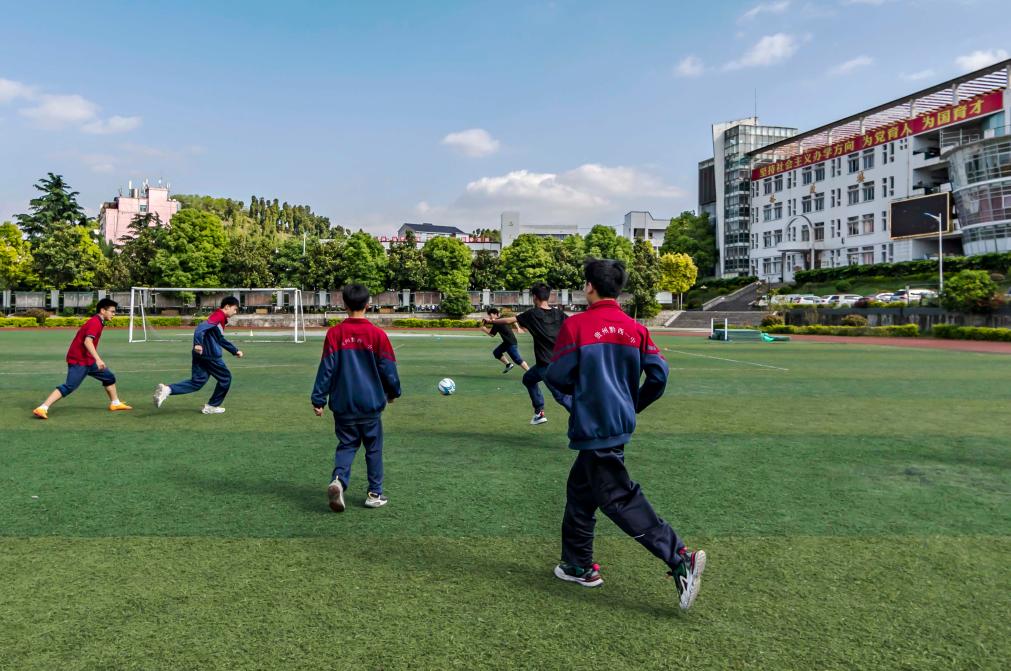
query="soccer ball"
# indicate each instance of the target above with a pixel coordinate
(446, 386)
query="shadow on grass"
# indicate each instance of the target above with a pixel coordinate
(307, 497)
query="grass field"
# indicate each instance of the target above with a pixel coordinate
(855, 503)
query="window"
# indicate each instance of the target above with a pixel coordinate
(884, 153)
(805, 234)
(868, 159)
(819, 172)
(767, 239)
(868, 224)
(807, 176)
(754, 189)
(891, 152)
(867, 255)
(853, 256)
(777, 211)
(853, 160)
(891, 186)
(143, 207)
(767, 186)
(853, 194)
(884, 221)
(819, 231)
(853, 226)
(819, 202)
(805, 204)
(778, 235)
(767, 213)
(868, 191)
(778, 183)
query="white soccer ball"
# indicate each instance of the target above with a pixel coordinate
(446, 386)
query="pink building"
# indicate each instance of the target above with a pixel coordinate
(114, 218)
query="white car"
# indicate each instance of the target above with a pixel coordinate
(807, 299)
(783, 299)
(914, 295)
(885, 297)
(845, 300)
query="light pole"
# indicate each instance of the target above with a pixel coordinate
(940, 249)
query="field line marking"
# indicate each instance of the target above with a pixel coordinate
(164, 370)
(719, 358)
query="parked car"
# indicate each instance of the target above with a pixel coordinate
(884, 297)
(807, 299)
(843, 300)
(865, 301)
(914, 295)
(783, 299)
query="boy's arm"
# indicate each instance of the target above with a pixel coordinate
(503, 320)
(386, 362)
(487, 331)
(655, 368)
(325, 373)
(227, 344)
(89, 344)
(563, 372)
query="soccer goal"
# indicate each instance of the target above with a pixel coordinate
(277, 311)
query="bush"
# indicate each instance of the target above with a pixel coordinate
(456, 303)
(771, 320)
(334, 321)
(969, 291)
(854, 320)
(952, 332)
(39, 315)
(437, 323)
(54, 322)
(843, 285)
(18, 322)
(904, 331)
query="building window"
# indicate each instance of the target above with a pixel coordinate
(765, 266)
(777, 211)
(807, 176)
(868, 224)
(891, 186)
(143, 207)
(868, 159)
(819, 172)
(853, 226)
(767, 186)
(805, 204)
(868, 191)
(805, 234)
(884, 221)
(819, 202)
(853, 194)
(778, 235)
(819, 231)
(853, 160)
(778, 183)
(767, 239)
(767, 213)
(867, 256)
(884, 153)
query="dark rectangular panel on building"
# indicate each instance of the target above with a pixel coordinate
(914, 217)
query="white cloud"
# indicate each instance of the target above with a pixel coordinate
(11, 90)
(114, 124)
(57, 111)
(474, 142)
(690, 66)
(875, 3)
(765, 8)
(618, 181)
(917, 76)
(980, 59)
(770, 50)
(851, 65)
(529, 187)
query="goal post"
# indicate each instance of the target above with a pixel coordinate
(146, 302)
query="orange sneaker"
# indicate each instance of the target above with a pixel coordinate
(115, 407)
(41, 413)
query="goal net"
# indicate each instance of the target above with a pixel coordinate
(165, 314)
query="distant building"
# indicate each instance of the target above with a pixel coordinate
(643, 225)
(511, 229)
(115, 217)
(707, 190)
(425, 232)
(474, 244)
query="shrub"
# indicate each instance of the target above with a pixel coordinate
(904, 331)
(969, 291)
(437, 323)
(334, 321)
(854, 320)
(952, 332)
(843, 285)
(771, 320)
(38, 314)
(456, 303)
(54, 322)
(18, 322)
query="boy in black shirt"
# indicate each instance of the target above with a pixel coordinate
(508, 345)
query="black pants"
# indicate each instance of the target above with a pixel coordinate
(598, 479)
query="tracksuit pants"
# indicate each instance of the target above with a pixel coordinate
(598, 479)
(349, 438)
(530, 380)
(76, 374)
(201, 371)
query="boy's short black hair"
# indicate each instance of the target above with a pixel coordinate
(356, 297)
(541, 291)
(106, 303)
(493, 311)
(608, 276)
(229, 300)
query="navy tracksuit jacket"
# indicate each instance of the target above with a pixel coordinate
(210, 335)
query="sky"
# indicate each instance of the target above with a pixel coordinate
(376, 114)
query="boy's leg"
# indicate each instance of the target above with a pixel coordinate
(108, 380)
(198, 378)
(623, 502)
(530, 380)
(500, 353)
(75, 375)
(219, 371)
(579, 520)
(348, 440)
(563, 400)
(514, 354)
(372, 440)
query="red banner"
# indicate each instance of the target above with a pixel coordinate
(984, 104)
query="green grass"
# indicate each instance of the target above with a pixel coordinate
(855, 508)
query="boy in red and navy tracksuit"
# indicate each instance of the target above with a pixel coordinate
(358, 373)
(599, 358)
(209, 345)
(83, 360)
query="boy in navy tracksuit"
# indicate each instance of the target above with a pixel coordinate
(208, 342)
(599, 357)
(358, 373)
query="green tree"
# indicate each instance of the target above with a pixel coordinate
(406, 264)
(525, 262)
(456, 303)
(568, 256)
(191, 250)
(969, 291)
(677, 273)
(486, 271)
(493, 234)
(246, 262)
(134, 264)
(69, 258)
(448, 261)
(16, 261)
(363, 261)
(643, 280)
(57, 207)
(323, 264)
(603, 242)
(291, 268)
(692, 234)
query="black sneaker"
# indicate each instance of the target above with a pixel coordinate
(688, 576)
(587, 577)
(509, 367)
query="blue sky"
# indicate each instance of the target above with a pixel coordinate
(380, 113)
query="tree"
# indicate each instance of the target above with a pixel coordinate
(57, 207)
(290, 267)
(969, 291)
(486, 271)
(677, 273)
(603, 242)
(134, 264)
(363, 261)
(406, 264)
(643, 280)
(69, 258)
(692, 234)
(525, 262)
(456, 303)
(448, 261)
(323, 264)
(568, 257)
(493, 234)
(246, 262)
(16, 259)
(191, 250)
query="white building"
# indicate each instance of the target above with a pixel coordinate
(824, 198)
(425, 232)
(643, 225)
(511, 228)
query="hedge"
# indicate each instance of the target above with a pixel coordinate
(115, 322)
(952, 332)
(18, 322)
(998, 263)
(437, 323)
(904, 331)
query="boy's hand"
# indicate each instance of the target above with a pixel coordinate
(318, 411)
(199, 349)
(100, 363)
(239, 354)
(390, 399)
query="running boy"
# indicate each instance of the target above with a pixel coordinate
(543, 322)
(208, 341)
(83, 360)
(358, 374)
(508, 345)
(599, 358)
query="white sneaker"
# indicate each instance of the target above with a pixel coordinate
(161, 392)
(375, 500)
(212, 410)
(335, 492)
(539, 418)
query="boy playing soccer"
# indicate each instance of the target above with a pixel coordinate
(208, 341)
(543, 322)
(83, 360)
(508, 345)
(358, 374)
(599, 358)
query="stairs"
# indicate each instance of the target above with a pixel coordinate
(736, 301)
(700, 319)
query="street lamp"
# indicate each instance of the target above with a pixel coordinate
(940, 248)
